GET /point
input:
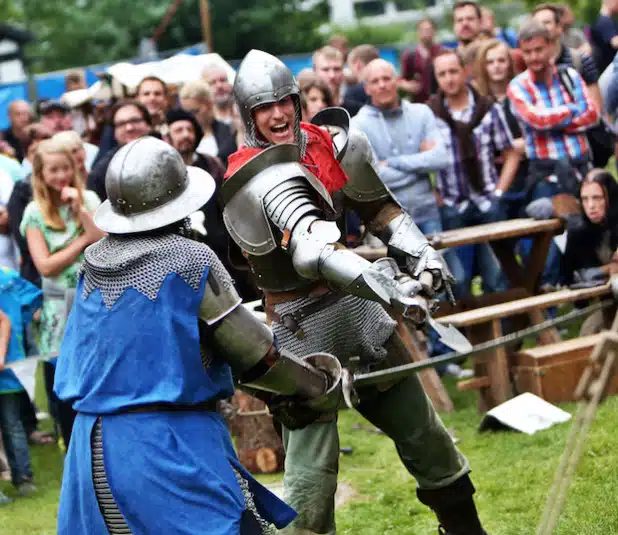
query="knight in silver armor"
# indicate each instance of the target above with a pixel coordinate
(284, 193)
(156, 336)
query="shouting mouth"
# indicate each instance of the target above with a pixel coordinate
(281, 131)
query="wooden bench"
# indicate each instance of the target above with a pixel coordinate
(491, 369)
(552, 372)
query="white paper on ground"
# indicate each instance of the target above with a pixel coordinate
(526, 413)
(25, 370)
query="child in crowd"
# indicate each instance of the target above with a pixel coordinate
(58, 226)
(18, 301)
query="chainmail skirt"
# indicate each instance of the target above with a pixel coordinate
(114, 521)
(350, 327)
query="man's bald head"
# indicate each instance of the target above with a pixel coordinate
(379, 64)
(19, 114)
(381, 84)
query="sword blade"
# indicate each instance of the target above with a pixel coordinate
(399, 372)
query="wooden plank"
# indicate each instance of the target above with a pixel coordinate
(514, 228)
(511, 308)
(564, 346)
(474, 302)
(429, 378)
(498, 370)
(476, 383)
(476, 335)
(536, 261)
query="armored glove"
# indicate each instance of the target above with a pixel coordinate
(398, 289)
(292, 412)
(431, 270)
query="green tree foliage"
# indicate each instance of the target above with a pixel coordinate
(80, 32)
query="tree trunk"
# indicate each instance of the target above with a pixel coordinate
(259, 446)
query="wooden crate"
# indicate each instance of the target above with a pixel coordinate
(553, 371)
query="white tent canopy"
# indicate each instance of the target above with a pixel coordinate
(174, 70)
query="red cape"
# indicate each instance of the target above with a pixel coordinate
(319, 158)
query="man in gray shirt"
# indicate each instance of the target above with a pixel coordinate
(407, 146)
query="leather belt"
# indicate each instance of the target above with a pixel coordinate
(205, 406)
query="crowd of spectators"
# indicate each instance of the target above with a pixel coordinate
(505, 125)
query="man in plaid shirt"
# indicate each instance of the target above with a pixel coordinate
(473, 131)
(553, 118)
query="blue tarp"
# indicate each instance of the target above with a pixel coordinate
(51, 85)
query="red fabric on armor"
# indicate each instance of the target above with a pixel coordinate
(319, 158)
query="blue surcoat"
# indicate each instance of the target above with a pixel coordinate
(134, 343)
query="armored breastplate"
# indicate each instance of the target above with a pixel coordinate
(264, 201)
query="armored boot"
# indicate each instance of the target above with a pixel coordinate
(454, 507)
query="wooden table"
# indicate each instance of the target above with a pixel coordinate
(499, 235)
(492, 369)
(524, 280)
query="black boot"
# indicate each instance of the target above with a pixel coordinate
(454, 507)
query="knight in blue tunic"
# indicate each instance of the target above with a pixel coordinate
(146, 355)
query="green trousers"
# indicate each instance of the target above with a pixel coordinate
(406, 415)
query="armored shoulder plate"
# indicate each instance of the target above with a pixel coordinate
(337, 121)
(271, 188)
(364, 183)
(220, 297)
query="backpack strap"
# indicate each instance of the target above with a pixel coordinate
(577, 60)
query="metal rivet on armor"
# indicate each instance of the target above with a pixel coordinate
(257, 98)
(143, 204)
(169, 191)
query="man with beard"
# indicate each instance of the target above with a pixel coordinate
(466, 22)
(284, 191)
(221, 91)
(184, 135)
(550, 16)
(417, 77)
(218, 139)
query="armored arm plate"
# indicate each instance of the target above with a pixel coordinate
(266, 179)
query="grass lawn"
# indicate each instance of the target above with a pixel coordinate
(512, 472)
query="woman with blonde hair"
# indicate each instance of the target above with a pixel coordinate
(71, 141)
(58, 226)
(496, 68)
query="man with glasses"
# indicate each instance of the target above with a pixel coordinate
(130, 120)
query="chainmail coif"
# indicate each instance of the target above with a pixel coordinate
(117, 263)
